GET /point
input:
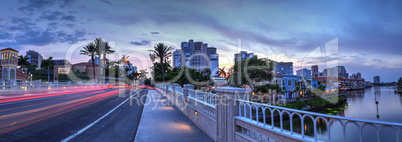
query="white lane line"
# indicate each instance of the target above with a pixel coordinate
(96, 121)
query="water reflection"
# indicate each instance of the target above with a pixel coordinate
(377, 103)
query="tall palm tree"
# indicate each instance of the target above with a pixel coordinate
(152, 57)
(48, 63)
(23, 61)
(103, 48)
(90, 50)
(161, 52)
(222, 72)
(125, 62)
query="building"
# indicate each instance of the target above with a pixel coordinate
(304, 73)
(9, 64)
(356, 76)
(177, 60)
(314, 71)
(243, 55)
(34, 58)
(284, 68)
(61, 62)
(377, 80)
(338, 71)
(79, 67)
(96, 59)
(197, 55)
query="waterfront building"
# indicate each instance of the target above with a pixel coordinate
(243, 55)
(376, 79)
(9, 64)
(314, 71)
(34, 58)
(356, 76)
(304, 73)
(197, 55)
(284, 68)
(61, 62)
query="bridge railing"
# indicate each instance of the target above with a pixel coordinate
(228, 115)
(260, 114)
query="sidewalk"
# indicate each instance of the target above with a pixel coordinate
(163, 122)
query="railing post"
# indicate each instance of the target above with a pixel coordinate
(227, 108)
(186, 87)
(11, 83)
(56, 83)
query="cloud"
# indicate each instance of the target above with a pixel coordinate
(107, 2)
(56, 16)
(143, 42)
(4, 35)
(35, 5)
(154, 33)
(69, 18)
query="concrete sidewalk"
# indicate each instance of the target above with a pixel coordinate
(161, 121)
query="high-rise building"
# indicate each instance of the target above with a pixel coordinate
(61, 62)
(284, 68)
(376, 79)
(197, 55)
(314, 71)
(304, 73)
(358, 75)
(243, 55)
(34, 58)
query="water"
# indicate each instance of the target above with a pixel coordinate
(360, 104)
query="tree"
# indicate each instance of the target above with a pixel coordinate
(90, 50)
(23, 62)
(102, 48)
(222, 72)
(161, 51)
(256, 71)
(48, 63)
(400, 82)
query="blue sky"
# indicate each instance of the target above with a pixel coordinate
(368, 31)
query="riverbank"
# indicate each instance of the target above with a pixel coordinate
(317, 104)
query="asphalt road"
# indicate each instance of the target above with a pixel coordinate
(87, 113)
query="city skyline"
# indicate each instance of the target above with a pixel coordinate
(368, 32)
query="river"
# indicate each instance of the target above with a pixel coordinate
(360, 104)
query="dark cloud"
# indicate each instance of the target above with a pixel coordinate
(21, 24)
(69, 18)
(56, 16)
(70, 25)
(107, 2)
(35, 5)
(53, 16)
(154, 33)
(143, 42)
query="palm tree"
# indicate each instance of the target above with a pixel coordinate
(222, 72)
(48, 63)
(90, 50)
(124, 61)
(103, 48)
(161, 51)
(152, 57)
(23, 61)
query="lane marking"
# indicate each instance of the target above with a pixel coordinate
(96, 121)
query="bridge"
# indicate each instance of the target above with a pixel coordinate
(229, 115)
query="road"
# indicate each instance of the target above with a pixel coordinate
(92, 115)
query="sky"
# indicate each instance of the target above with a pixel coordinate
(367, 33)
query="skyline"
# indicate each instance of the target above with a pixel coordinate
(368, 31)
